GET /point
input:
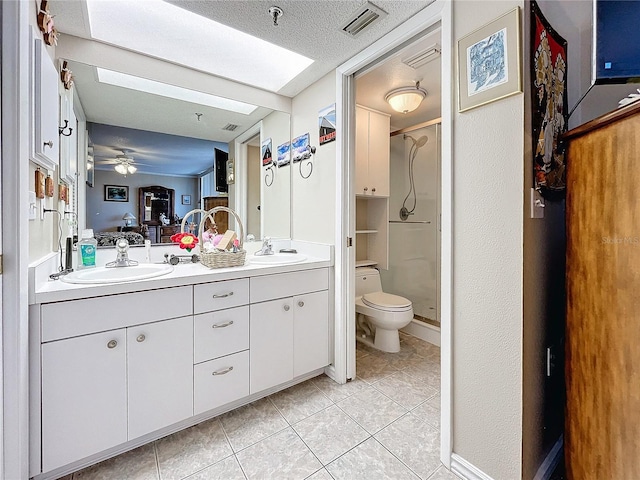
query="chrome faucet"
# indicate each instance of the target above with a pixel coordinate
(267, 248)
(122, 258)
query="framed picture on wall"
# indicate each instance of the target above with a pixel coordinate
(489, 62)
(186, 199)
(116, 193)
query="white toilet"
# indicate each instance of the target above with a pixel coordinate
(379, 315)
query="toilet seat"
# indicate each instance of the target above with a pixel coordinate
(386, 302)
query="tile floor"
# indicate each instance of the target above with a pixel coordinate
(317, 430)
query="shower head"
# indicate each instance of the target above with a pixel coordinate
(421, 142)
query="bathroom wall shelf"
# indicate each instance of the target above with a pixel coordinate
(366, 263)
(363, 232)
(372, 231)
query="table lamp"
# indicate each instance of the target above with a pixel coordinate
(128, 219)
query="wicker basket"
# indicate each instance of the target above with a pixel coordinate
(218, 258)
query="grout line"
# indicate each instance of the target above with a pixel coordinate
(241, 467)
(403, 463)
(155, 454)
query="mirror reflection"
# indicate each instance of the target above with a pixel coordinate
(172, 157)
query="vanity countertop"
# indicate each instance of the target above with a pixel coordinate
(46, 291)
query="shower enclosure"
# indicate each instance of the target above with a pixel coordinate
(414, 211)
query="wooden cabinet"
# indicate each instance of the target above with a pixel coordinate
(44, 117)
(222, 218)
(602, 369)
(166, 231)
(159, 374)
(84, 396)
(372, 152)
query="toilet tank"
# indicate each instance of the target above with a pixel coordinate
(367, 281)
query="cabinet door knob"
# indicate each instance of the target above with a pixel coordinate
(301, 303)
(223, 371)
(141, 338)
(48, 144)
(366, 189)
(112, 344)
(223, 295)
(286, 308)
(373, 190)
(222, 325)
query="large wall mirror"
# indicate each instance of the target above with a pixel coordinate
(169, 141)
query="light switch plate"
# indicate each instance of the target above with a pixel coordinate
(32, 206)
(537, 204)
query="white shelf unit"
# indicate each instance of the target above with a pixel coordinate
(372, 232)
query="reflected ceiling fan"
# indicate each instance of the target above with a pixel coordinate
(124, 163)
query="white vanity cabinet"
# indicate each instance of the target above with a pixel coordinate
(101, 388)
(159, 374)
(289, 336)
(44, 121)
(372, 152)
(221, 343)
(84, 396)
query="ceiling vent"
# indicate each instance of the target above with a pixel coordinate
(423, 57)
(230, 127)
(362, 19)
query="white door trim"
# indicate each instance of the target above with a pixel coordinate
(241, 169)
(439, 11)
(15, 231)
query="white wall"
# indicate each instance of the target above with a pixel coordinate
(313, 199)
(107, 216)
(487, 271)
(275, 204)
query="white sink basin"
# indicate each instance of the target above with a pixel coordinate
(117, 274)
(277, 259)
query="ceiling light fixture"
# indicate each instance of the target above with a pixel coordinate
(125, 165)
(406, 99)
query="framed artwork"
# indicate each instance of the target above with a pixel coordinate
(549, 105)
(300, 149)
(116, 193)
(284, 154)
(265, 149)
(327, 124)
(489, 63)
(186, 199)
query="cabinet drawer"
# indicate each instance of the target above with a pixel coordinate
(80, 317)
(220, 381)
(288, 284)
(220, 333)
(209, 297)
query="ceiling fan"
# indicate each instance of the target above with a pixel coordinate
(124, 164)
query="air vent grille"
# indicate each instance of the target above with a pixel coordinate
(362, 19)
(230, 127)
(423, 57)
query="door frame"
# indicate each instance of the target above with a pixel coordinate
(241, 171)
(344, 361)
(14, 333)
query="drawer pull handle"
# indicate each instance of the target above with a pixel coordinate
(222, 295)
(222, 325)
(140, 338)
(224, 371)
(286, 308)
(112, 344)
(301, 303)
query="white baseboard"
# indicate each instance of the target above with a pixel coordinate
(423, 331)
(465, 469)
(551, 461)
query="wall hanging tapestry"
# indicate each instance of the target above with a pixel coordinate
(549, 105)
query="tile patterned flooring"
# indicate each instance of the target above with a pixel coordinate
(317, 430)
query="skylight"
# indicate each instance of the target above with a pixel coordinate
(171, 91)
(162, 30)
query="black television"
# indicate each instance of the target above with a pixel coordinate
(616, 42)
(220, 166)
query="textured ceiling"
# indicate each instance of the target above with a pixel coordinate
(309, 27)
